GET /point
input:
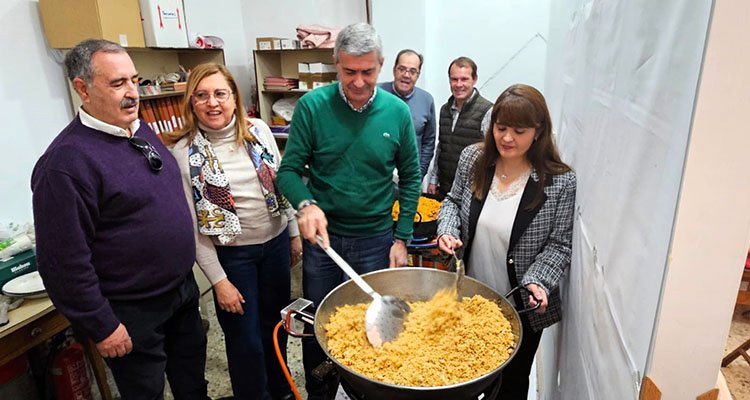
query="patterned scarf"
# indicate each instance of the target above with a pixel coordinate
(214, 204)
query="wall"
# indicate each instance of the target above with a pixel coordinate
(401, 30)
(507, 40)
(224, 21)
(34, 100)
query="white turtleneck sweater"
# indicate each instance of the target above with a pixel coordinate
(258, 226)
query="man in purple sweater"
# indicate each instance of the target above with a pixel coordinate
(115, 242)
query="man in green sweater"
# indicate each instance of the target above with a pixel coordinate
(352, 136)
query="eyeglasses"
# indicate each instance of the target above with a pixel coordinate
(153, 157)
(221, 95)
(410, 71)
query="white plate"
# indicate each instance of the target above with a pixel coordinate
(25, 285)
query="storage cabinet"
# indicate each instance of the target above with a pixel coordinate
(26, 337)
(68, 22)
(131, 23)
(282, 63)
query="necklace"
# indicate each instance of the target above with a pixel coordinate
(513, 188)
(504, 176)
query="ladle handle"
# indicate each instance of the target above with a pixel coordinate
(460, 272)
(347, 269)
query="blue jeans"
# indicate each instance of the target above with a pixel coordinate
(320, 275)
(261, 274)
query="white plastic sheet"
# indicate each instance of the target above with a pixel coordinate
(621, 83)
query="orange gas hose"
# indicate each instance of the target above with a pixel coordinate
(283, 364)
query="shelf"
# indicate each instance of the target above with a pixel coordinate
(323, 50)
(161, 95)
(285, 91)
(282, 63)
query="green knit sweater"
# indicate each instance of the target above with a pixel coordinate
(351, 157)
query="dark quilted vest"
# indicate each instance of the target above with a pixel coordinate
(453, 143)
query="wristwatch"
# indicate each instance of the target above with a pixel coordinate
(406, 242)
(304, 203)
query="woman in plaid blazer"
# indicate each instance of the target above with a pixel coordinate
(511, 210)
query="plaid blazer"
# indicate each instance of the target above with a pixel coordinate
(541, 238)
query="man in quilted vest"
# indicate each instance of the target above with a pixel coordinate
(463, 120)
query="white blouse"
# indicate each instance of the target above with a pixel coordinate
(491, 240)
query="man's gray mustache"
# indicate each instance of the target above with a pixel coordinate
(128, 102)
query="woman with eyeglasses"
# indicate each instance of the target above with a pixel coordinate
(246, 233)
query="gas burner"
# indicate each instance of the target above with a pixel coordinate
(350, 392)
(353, 395)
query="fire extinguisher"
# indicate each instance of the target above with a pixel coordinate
(253, 111)
(70, 374)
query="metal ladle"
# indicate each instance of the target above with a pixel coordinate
(460, 272)
(384, 319)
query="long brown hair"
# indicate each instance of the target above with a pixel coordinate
(190, 121)
(520, 106)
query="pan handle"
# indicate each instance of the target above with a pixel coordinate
(525, 310)
(304, 316)
(348, 269)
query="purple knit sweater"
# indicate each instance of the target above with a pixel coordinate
(107, 226)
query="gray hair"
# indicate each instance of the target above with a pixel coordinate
(78, 59)
(358, 39)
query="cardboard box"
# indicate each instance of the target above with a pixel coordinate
(322, 68)
(310, 81)
(17, 265)
(305, 77)
(289, 44)
(172, 87)
(68, 22)
(164, 23)
(268, 43)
